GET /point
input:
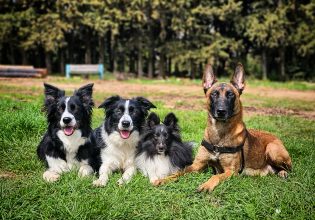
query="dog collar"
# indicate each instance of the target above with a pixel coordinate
(221, 149)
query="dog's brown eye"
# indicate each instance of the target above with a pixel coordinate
(61, 108)
(131, 109)
(229, 94)
(72, 107)
(214, 94)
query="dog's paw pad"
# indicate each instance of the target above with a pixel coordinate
(99, 183)
(85, 171)
(51, 176)
(283, 174)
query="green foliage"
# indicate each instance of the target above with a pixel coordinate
(178, 36)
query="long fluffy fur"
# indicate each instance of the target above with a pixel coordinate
(61, 152)
(177, 154)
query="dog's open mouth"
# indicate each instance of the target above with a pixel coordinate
(68, 130)
(124, 134)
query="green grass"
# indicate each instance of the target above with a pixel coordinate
(291, 85)
(27, 196)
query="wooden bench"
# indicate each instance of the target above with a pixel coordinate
(22, 71)
(85, 69)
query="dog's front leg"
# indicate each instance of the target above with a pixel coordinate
(104, 172)
(56, 167)
(215, 180)
(85, 169)
(127, 175)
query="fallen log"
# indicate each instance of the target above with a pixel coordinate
(22, 71)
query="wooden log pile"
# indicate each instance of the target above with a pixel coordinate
(22, 71)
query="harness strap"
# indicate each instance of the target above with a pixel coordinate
(213, 148)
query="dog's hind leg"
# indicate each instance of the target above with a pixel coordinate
(278, 157)
(199, 164)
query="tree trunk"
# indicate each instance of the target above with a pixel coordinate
(151, 63)
(24, 57)
(169, 67)
(192, 70)
(151, 54)
(101, 50)
(282, 63)
(110, 51)
(88, 50)
(264, 64)
(113, 54)
(62, 62)
(140, 60)
(12, 54)
(48, 62)
(162, 65)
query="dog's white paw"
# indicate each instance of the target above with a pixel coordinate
(121, 182)
(99, 182)
(85, 170)
(50, 176)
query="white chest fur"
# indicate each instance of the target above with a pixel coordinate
(119, 153)
(155, 168)
(71, 145)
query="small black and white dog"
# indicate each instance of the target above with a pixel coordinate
(119, 135)
(161, 151)
(66, 143)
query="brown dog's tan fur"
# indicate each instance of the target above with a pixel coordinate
(263, 152)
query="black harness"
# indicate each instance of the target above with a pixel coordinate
(216, 149)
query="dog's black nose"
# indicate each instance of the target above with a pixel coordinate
(66, 120)
(221, 112)
(125, 124)
(161, 148)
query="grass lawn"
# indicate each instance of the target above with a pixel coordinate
(24, 194)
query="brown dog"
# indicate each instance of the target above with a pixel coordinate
(228, 146)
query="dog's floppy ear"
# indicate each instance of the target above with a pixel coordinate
(85, 94)
(145, 104)
(52, 93)
(153, 119)
(109, 101)
(238, 78)
(208, 78)
(170, 120)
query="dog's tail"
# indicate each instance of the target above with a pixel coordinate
(190, 144)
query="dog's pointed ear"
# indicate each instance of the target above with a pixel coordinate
(85, 94)
(153, 119)
(145, 104)
(52, 93)
(109, 101)
(170, 120)
(208, 78)
(238, 78)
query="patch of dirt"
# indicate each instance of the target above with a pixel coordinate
(249, 111)
(7, 175)
(184, 97)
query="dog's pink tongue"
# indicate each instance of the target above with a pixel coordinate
(68, 131)
(124, 134)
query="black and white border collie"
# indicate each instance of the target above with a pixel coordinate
(119, 135)
(66, 143)
(161, 151)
